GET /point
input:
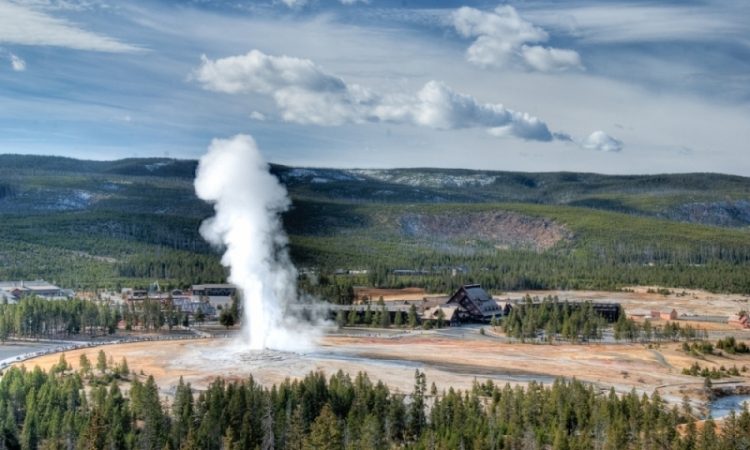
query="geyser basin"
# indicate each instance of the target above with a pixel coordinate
(264, 356)
(380, 359)
(447, 361)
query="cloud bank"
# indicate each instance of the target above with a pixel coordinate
(647, 22)
(20, 25)
(601, 141)
(503, 39)
(306, 94)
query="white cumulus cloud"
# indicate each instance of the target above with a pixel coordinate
(503, 38)
(22, 25)
(306, 94)
(294, 3)
(601, 141)
(257, 115)
(18, 64)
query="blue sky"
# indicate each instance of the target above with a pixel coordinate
(598, 86)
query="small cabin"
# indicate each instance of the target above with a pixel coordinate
(449, 313)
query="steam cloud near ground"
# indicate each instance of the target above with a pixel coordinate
(248, 201)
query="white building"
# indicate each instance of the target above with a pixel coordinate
(218, 295)
(12, 291)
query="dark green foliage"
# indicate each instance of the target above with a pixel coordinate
(698, 348)
(552, 319)
(412, 318)
(37, 317)
(730, 345)
(226, 318)
(697, 371)
(629, 329)
(57, 410)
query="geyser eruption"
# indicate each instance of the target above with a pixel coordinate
(248, 201)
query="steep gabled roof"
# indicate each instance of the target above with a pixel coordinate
(449, 313)
(475, 300)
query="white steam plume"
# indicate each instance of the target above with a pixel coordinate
(248, 201)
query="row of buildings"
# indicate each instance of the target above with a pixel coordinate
(652, 314)
(204, 298)
(13, 291)
(739, 320)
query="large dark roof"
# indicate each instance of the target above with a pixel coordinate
(476, 293)
(480, 303)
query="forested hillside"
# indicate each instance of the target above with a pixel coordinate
(130, 222)
(87, 408)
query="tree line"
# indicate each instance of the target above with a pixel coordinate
(380, 317)
(550, 319)
(630, 330)
(555, 319)
(87, 409)
(38, 317)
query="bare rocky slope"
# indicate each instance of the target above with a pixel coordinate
(501, 229)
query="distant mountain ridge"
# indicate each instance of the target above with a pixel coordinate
(129, 166)
(132, 221)
(706, 198)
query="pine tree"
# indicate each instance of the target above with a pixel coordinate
(385, 317)
(412, 316)
(295, 438)
(182, 413)
(370, 436)
(84, 364)
(123, 368)
(417, 419)
(153, 435)
(227, 441)
(101, 361)
(29, 437)
(368, 315)
(226, 318)
(325, 433)
(708, 436)
(396, 421)
(353, 317)
(398, 320)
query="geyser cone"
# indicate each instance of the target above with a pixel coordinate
(248, 201)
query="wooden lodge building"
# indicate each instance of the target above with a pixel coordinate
(474, 304)
(470, 303)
